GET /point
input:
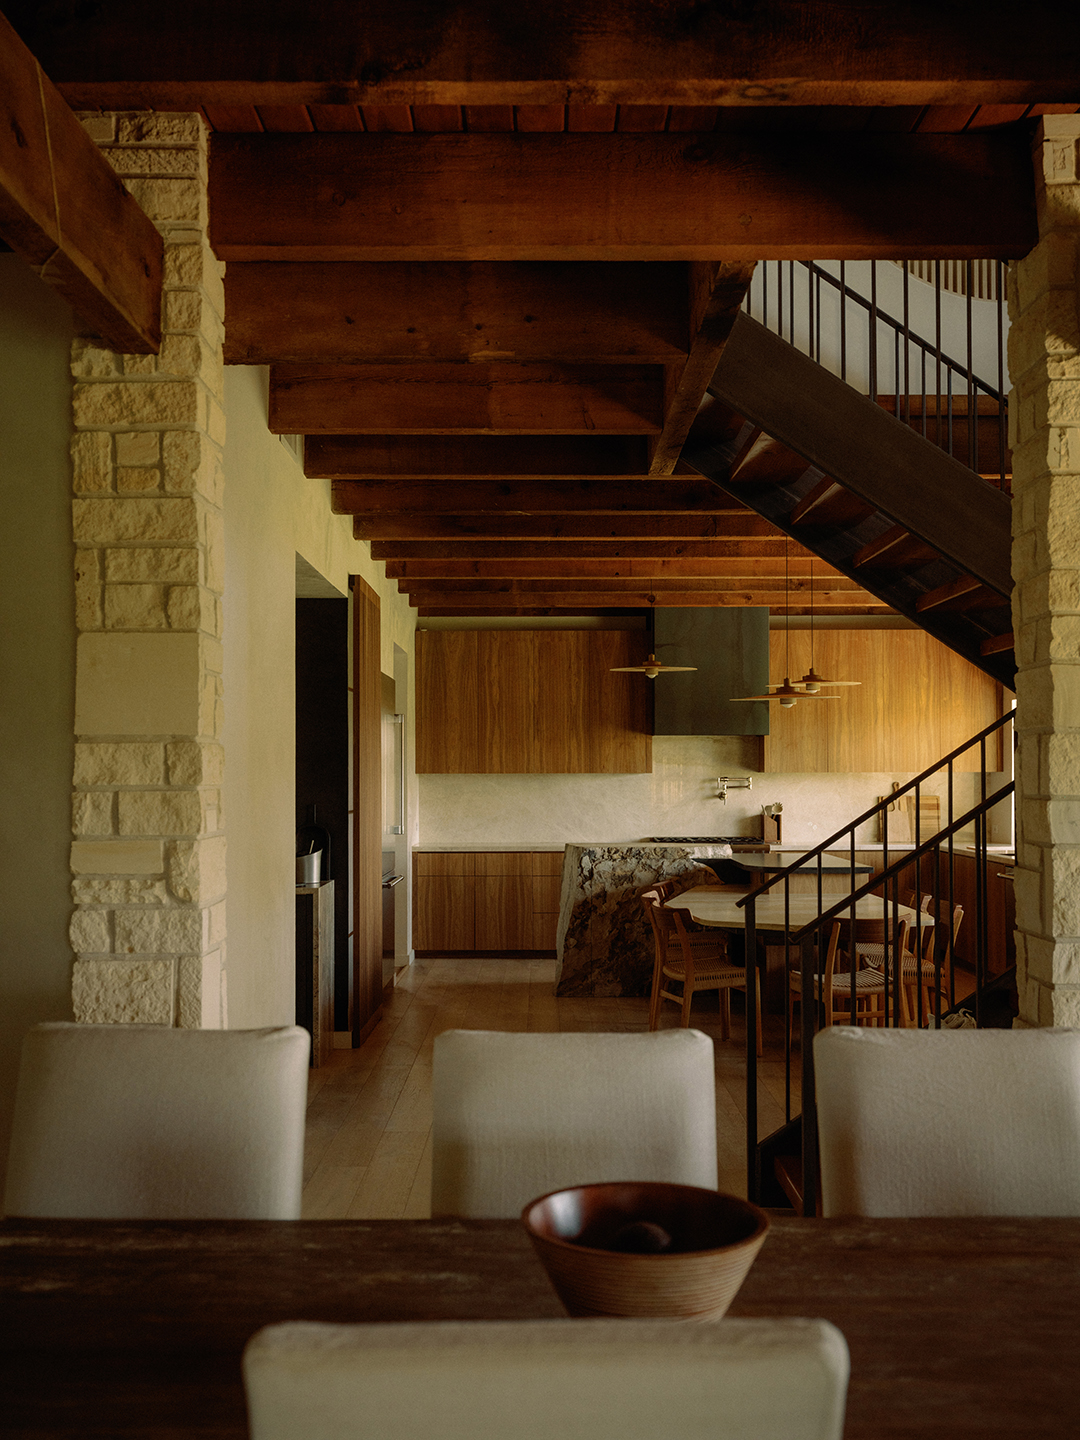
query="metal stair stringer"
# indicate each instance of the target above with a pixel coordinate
(861, 489)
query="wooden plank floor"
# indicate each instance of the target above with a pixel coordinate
(368, 1152)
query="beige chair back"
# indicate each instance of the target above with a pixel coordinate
(949, 1122)
(143, 1122)
(517, 1115)
(537, 1379)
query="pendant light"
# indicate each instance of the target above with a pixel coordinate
(651, 667)
(786, 694)
(812, 681)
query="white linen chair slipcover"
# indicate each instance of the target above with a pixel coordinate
(517, 1115)
(538, 1379)
(116, 1122)
(948, 1122)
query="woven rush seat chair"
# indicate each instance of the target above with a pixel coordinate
(695, 960)
(874, 1002)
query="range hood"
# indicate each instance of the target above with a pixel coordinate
(730, 647)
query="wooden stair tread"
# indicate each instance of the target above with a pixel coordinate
(967, 593)
(788, 1171)
(998, 644)
(829, 504)
(894, 549)
(766, 462)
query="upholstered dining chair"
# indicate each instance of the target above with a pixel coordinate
(125, 1122)
(534, 1379)
(948, 1122)
(694, 960)
(517, 1115)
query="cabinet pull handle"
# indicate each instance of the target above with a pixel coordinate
(1004, 874)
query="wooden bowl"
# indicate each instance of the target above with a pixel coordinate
(714, 1239)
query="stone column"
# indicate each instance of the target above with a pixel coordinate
(1044, 364)
(148, 857)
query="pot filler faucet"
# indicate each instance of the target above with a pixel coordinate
(732, 782)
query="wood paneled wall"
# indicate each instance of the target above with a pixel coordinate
(530, 702)
(917, 701)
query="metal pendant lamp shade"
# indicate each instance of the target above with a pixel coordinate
(652, 667)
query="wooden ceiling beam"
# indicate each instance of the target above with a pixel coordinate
(644, 597)
(394, 525)
(520, 496)
(455, 457)
(559, 609)
(495, 399)
(350, 312)
(716, 295)
(511, 551)
(572, 197)
(384, 52)
(65, 211)
(548, 567)
(771, 585)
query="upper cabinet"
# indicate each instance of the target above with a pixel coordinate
(530, 702)
(730, 649)
(917, 701)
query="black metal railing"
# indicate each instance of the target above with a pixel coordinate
(885, 356)
(927, 870)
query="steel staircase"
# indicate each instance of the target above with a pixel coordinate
(863, 490)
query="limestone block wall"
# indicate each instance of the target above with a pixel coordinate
(148, 854)
(1044, 364)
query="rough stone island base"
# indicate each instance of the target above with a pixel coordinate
(604, 942)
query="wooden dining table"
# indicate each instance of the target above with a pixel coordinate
(956, 1328)
(720, 908)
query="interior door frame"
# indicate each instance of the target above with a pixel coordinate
(367, 986)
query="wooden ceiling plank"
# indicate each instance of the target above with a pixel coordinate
(642, 118)
(496, 399)
(437, 119)
(507, 497)
(780, 52)
(589, 312)
(237, 119)
(392, 119)
(66, 212)
(533, 118)
(850, 601)
(591, 119)
(579, 197)
(679, 525)
(716, 295)
(489, 119)
(336, 117)
(453, 457)
(285, 119)
(497, 551)
(546, 566)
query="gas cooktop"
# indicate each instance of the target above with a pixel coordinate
(706, 840)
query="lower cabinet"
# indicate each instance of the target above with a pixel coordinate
(487, 900)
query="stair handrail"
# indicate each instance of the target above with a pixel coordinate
(910, 336)
(881, 808)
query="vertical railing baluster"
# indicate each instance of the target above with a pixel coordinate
(873, 340)
(843, 320)
(973, 443)
(937, 346)
(907, 350)
(750, 966)
(1002, 418)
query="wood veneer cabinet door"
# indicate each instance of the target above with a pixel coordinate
(443, 913)
(917, 701)
(504, 918)
(447, 720)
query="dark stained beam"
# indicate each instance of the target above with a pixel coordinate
(532, 197)
(452, 457)
(717, 292)
(349, 312)
(433, 552)
(494, 398)
(772, 585)
(643, 597)
(392, 525)
(520, 496)
(386, 52)
(548, 567)
(65, 211)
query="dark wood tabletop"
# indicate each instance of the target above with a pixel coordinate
(956, 1328)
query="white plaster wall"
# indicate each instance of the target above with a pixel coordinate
(37, 664)
(678, 798)
(272, 513)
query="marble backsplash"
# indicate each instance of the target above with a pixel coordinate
(678, 798)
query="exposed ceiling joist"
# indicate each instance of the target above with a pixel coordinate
(544, 566)
(497, 398)
(457, 457)
(65, 211)
(340, 313)
(620, 197)
(521, 496)
(645, 597)
(543, 551)
(777, 52)
(674, 525)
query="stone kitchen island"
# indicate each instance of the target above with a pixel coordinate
(605, 945)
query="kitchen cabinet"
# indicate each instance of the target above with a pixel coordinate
(530, 702)
(917, 700)
(1000, 908)
(730, 649)
(502, 901)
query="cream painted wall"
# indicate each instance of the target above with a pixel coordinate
(272, 513)
(37, 664)
(678, 798)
